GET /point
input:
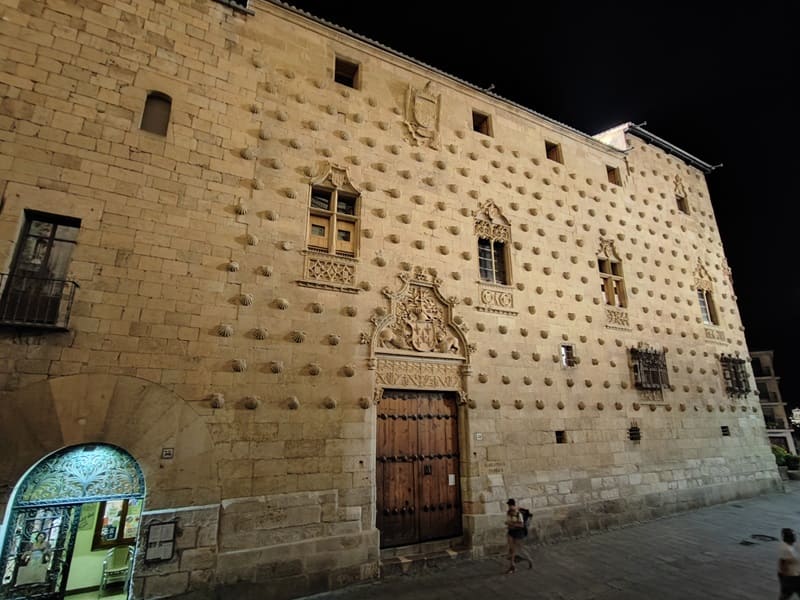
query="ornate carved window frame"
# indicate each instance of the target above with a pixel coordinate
(649, 367)
(681, 198)
(704, 287)
(325, 268)
(609, 266)
(492, 227)
(735, 375)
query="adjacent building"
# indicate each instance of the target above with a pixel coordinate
(277, 299)
(779, 427)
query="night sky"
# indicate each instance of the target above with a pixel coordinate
(712, 80)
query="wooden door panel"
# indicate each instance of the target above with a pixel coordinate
(417, 468)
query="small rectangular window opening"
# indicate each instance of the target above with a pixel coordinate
(568, 355)
(553, 151)
(561, 437)
(613, 175)
(346, 73)
(726, 431)
(481, 123)
(683, 204)
(634, 433)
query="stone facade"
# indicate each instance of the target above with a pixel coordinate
(208, 322)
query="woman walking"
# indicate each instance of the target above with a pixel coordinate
(516, 533)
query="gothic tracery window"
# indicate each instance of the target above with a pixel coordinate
(612, 283)
(705, 296)
(494, 236)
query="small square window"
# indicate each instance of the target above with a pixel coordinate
(613, 175)
(726, 431)
(346, 72)
(561, 437)
(553, 151)
(683, 204)
(481, 123)
(634, 433)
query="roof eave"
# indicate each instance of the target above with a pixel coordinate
(651, 138)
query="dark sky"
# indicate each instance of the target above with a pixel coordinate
(714, 79)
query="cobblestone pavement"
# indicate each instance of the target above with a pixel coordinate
(705, 554)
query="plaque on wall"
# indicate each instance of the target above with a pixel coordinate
(160, 545)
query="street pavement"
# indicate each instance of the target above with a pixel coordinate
(705, 554)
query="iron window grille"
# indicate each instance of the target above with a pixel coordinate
(649, 368)
(734, 372)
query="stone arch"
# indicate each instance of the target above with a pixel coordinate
(128, 412)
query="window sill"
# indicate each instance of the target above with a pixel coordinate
(34, 326)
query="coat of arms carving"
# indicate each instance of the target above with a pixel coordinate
(422, 116)
(420, 320)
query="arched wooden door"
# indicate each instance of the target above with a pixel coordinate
(417, 474)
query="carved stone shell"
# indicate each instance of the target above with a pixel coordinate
(334, 339)
(248, 153)
(495, 403)
(364, 402)
(239, 365)
(351, 311)
(297, 336)
(246, 299)
(483, 377)
(217, 400)
(314, 369)
(540, 404)
(329, 403)
(233, 266)
(251, 402)
(276, 366)
(252, 240)
(241, 209)
(349, 370)
(260, 333)
(293, 402)
(317, 308)
(271, 215)
(224, 330)
(282, 303)
(266, 270)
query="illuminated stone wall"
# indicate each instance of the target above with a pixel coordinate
(204, 325)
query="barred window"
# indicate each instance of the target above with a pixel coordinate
(734, 372)
(649, 368)
(568, 355)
